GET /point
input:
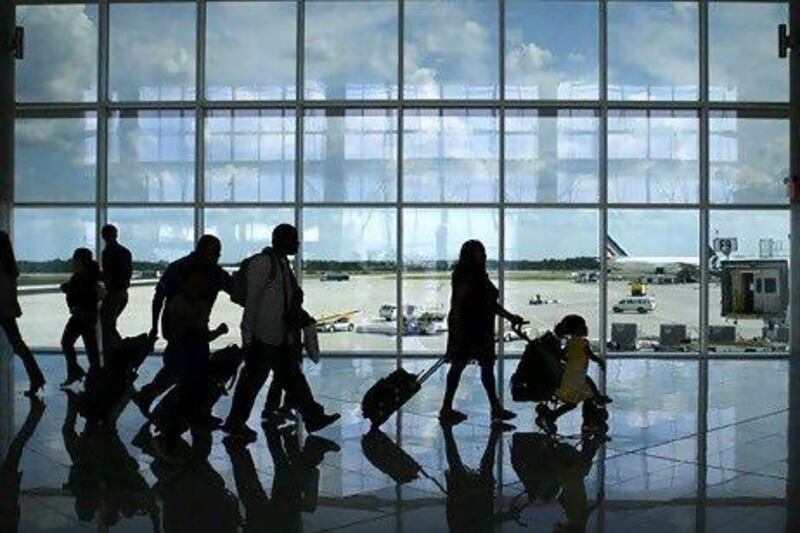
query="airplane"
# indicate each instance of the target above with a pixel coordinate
(337, 321)
(660, 269)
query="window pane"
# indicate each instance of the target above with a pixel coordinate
(450, 155)
(551, 157)
(262, 35)
(250, 156)
(152, 51)
(743, 61)
(653, 266)
(350, 155)
(551, 50)
(243, 232)
(44, 240)
(60, 62)
(552, 274)
(151, 156)
(451, 49)
(155, 237)
(749, 159)
(349, 272)
(432, 239)
(351, 49)
(653, 157)
(55, 159)
(741, 312)
(652, 50)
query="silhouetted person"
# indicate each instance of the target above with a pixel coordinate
(271, 335)
(10, 475)
(186, 358)
(83, 296)
(470, 493)
(205, 260)
(10, 311)
(471, 329)
(117, 272)
(295, 485)
(103, 477)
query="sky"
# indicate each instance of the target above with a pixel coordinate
(451, 51)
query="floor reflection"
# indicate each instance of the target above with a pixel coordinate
(70, 466)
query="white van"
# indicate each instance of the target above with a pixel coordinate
(635, 304)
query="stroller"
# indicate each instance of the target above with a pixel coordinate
(538, 375)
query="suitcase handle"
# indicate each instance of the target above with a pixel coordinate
(422, 378)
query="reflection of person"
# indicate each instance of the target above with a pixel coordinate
(270, 332)
(572, 467)
(103, 477)
(204, 259)
(470, 493)
(10, 311)
(295, 485)
(10, 476)
(83, 294)
(471, 329)
(117, 272)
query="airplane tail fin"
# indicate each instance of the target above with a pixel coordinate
(613, 249)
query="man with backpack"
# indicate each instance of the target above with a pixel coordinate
(203, 263)
(271, 329)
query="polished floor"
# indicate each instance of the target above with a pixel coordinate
(657, 473)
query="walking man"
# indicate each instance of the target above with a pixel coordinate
(117, 271)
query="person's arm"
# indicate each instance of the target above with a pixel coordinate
(594, 357)
(218, 332)
(127, 265)
(162, 287)
(226, 281)
(508, 315)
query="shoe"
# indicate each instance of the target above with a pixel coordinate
(73, 376)
(240, 432)
(604, 399)
(451, 416)
(209, 422)
(142, 403)
(503, 415)
(322, 421)
(499, 425)
(547, 425)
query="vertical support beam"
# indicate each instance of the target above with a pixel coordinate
(399, 232)
(101, 179)
(298, 132)
(793, 484)
(200, 121)
(703, 156)
(6, 206)
(501, 249)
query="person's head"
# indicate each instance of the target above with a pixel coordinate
(109, 233)
(285, 239)
(8, 263)
(572, 326)
(473, 254)
(209, 247)
(82, 260)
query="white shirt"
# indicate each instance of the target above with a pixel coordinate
(263, 317)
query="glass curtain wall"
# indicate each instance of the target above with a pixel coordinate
(624, 160)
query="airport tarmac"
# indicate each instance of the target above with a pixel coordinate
(45, 314)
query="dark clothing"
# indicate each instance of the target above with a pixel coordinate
(78, 326)
(260, 360)
(114, 303)
(117, 267)
(19, 347)
(82, 293)
(471, 322)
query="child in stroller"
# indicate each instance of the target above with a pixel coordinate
(575, 385)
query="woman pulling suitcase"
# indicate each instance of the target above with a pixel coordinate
(471, 330)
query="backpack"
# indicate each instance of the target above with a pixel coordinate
(239, 287)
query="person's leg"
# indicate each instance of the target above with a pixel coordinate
(490, 386)
(598, 396)
(560, 411)
(274, 397)
(110, 310)
(89, 336)
(254, 375)
(72, 331)
(35, 375)
(453, 379)
(290, 377)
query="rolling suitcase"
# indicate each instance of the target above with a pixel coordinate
(390, 393)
